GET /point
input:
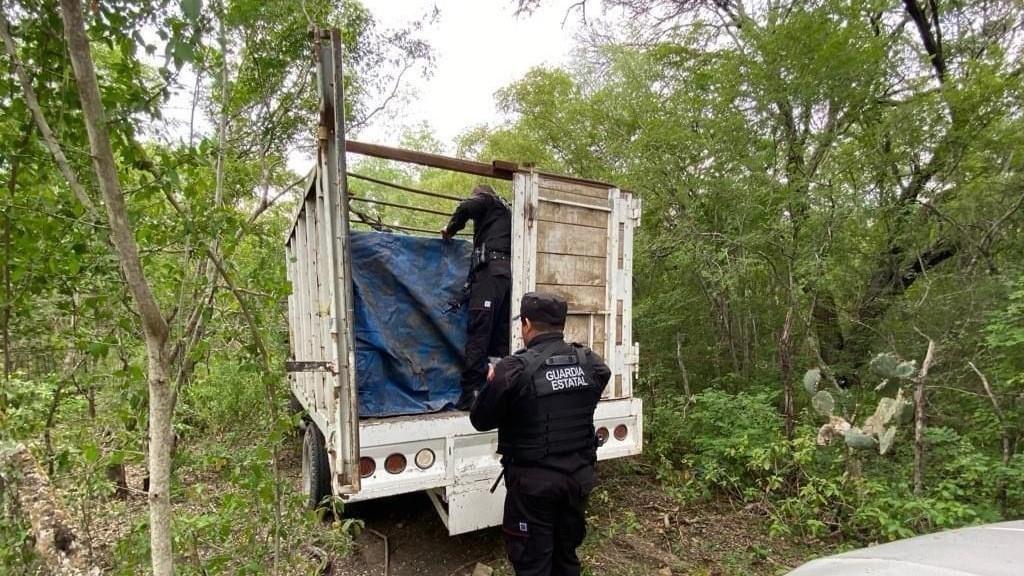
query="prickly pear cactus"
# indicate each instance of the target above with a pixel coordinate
(858, 440)
(811, 379)
(885, 440)
(888, 365)
(879, 430)
(823, 403)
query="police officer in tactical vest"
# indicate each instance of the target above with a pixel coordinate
(542, 401)
(489, 283)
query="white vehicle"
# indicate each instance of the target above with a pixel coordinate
(571, 237)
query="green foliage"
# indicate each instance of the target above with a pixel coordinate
(27, 404)
(702, 443)
(700, 451)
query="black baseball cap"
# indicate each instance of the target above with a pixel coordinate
(543, 307)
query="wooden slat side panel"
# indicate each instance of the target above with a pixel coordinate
(574, 188)
(323, 272)
(562, 196)
(582, 298)
(571, 270)
(572, 239)
(566, 214)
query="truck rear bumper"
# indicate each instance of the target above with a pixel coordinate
(465, 462)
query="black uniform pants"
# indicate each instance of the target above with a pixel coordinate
(489, 313)
(545, 519)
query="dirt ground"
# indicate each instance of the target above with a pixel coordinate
(635, 528)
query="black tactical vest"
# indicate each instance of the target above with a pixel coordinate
(555, 415)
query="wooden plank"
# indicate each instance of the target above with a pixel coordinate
(289, 254)
(572, 239)
(577, 328)
(571, 269)
(323, 308)
(562, 196)
(565, 214)
(498, 170)
(523, 255)
(590, 298)
(574, 179)
(578, 188)
(309, 266)
(302, 351)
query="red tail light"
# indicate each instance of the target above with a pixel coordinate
(621, 432)
(367, 466)
(602, 436)
(395, 464)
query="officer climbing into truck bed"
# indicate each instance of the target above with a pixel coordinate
(489, 283)
(542, 401)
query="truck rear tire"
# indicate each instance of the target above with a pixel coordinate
(316, 469)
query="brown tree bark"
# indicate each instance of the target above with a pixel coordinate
(682, 365)
(786, 372)
(920, 416)
(56, 540)
(161, 397)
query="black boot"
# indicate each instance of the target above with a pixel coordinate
(466, 399)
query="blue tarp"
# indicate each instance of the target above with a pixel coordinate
(409, 345)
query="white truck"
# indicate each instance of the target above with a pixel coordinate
(572, 237)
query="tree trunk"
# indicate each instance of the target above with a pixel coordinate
(919, 420)
(56, 541)
(161, 395)
(920, 416)
(786, 372)
(682, 366)
(1006, 434)
(161, 404)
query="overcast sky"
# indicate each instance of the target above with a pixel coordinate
(480, 46)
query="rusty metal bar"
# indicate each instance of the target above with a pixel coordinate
(408, 228)
(402, 206)
(497, 169)
(404, 188)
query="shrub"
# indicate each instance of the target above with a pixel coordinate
(733, 444)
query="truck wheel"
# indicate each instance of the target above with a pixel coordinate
(316, 469)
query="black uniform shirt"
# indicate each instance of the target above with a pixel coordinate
(499, 397)
(492, 221)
